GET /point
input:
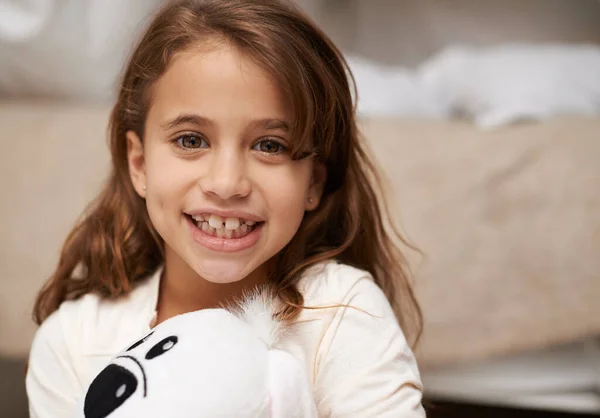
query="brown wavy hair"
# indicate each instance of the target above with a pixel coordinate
(115, 245)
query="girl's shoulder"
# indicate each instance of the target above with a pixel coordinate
(92, 325)
(348, 320)
(78, 339)
(332, 282)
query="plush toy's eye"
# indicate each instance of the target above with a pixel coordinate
(109, 390)
(162, 347)
(143, 340)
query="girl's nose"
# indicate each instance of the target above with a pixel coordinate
(226, 177)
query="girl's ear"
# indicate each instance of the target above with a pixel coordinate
(317, 184)
(137, 164)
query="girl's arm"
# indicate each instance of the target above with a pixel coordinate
(367, 368)
(52, 384)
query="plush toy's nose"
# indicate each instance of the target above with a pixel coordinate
(113, 386)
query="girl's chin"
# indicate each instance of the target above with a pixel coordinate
(224, 272)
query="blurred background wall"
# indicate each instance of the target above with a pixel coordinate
(76, 48)
(408, 31)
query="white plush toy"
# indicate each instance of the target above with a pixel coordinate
(209, 363)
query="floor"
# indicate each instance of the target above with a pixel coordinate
(459, 410)
(13, 401)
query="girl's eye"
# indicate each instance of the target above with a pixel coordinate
(269, 146)
(190, 141)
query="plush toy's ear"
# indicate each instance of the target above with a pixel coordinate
(290, 391)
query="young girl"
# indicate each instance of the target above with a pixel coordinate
(237, 163)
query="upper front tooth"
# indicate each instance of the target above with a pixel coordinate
(215, 221)
(232, 223)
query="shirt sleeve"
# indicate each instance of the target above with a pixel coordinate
(366, 367)
(51, 382)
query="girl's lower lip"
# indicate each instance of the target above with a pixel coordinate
(224, 245)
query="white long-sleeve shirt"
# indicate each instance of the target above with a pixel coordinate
(358, 360)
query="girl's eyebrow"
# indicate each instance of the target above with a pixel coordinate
(187, 119)
(269, 124)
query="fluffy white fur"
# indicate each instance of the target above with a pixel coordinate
(257, 309)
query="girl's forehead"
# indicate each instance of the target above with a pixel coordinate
(218, 84)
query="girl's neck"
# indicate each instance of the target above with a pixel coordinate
(181, 290)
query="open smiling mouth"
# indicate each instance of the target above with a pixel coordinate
(216, 226)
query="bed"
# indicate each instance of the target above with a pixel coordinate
(508, 221)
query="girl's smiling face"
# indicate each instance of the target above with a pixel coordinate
(220, 185)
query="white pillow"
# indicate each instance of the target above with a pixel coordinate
(509, 83)
(385, 91)
(67, 48)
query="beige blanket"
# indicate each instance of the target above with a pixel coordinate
(510, 222)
